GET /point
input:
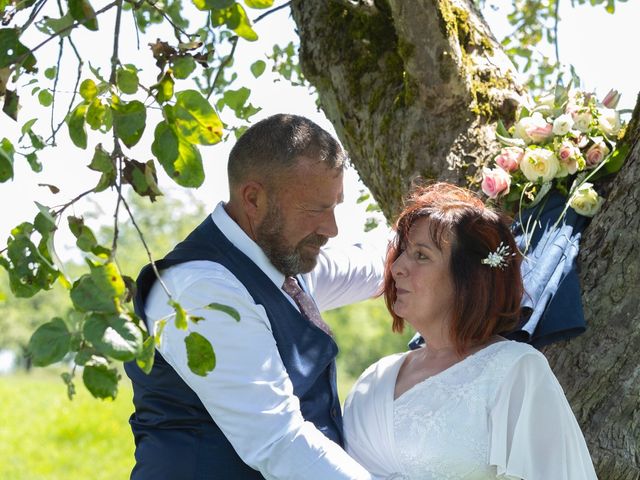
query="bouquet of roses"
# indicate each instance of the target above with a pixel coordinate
(565, 141)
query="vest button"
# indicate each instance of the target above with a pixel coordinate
(334, 412)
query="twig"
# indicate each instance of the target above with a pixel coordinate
(555, 31)
(34, 13)
(71, 202)
(146, 248)
(116, 39)
(171, 22)
(223, 65)
(273, 10)
(55, 90)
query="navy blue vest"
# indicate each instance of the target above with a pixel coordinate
(175, 437)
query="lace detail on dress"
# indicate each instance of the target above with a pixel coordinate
(441, 424)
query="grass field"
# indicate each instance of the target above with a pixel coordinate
(44, 436)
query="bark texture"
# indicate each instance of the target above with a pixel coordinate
(415, 88)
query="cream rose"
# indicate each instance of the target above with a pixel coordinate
(582, 121)
(539, 163)
(585, 200)
(563, 124)
(568, 155)
(596, 154)
(495, 182)
(609, 121)
(533, 129)
(509, 158)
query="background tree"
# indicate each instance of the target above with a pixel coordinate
(412, 88)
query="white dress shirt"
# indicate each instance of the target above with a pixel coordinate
(249, 394)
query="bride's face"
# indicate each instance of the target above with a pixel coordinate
(423, 279)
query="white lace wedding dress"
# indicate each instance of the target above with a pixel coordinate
(499, 413)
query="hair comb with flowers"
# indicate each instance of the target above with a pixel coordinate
(498, 259)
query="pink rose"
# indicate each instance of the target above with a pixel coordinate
(596, 153)
(568, 154)
(495, 181)
(533, 129)
(509, 158)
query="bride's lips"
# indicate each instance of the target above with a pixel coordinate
(400, 291)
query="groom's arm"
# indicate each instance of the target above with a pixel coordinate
(249, 394)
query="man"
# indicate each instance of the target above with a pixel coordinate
(270, 408)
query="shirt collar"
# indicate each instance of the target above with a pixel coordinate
(242, 242)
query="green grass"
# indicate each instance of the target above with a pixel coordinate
(43, 435)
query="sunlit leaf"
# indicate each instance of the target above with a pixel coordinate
(85, 239)
(258, 3)
(100, 291)
(236, 19)
(236, 98)
(50, 72)
(226, 309)
(200, 355)
(129, 121)
(96, 114)
(146, 357)
(195, 119)
(114, 336)
(45, 98)
(49, 343)
(181, 315)
(179, 158)
(77, 130)
(127, 79)
(101, 380)
(164, 88)
(213, 4)
(88, 89)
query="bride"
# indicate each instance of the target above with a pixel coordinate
(468, 404)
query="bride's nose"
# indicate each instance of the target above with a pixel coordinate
(398, 268)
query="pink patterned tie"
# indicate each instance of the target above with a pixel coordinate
(305, 303)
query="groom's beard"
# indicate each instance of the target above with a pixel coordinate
(288, 259)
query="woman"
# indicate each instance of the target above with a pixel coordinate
(468, 404)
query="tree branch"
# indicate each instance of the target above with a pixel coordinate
(223, 65)
(273, 10)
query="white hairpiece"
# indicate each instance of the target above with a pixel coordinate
(498, 259)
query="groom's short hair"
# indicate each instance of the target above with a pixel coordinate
(486, 297)
(273, 145)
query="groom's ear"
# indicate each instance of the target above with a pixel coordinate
(254, 199)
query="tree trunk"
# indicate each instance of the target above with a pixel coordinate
(415, 88)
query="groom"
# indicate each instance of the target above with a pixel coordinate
(270, 407)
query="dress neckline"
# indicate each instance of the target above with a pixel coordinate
(439, 374)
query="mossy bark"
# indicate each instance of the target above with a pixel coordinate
(415, 88)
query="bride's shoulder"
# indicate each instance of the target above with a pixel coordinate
(384, 365)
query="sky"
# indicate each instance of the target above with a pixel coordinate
(595, 43)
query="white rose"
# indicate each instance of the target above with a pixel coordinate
(585, 200)
(539, 163)
(609, 121)
(581, 121)
(563, 124)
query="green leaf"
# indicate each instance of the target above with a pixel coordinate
(179, 158)
(6, 160)
(96, 114)
(164, 88)
(85, 239)
(101, 381)
(13, 51)
(102, 162)
(258, 67)
(616, 159)
(50, 72)
(195, 119)
(49, 343)
(51, 26)
(183, 66)
(129, 121)
(258, 3)
(11, 104)
(68, 381)
(82, 11)
(143, 178)
(236, 19)
(88, 89)
(160, 324)
(226, 309)
(100, 291)
(127, 79)
(181, 315)
(147, 356)
(45, 98)
(34, 163)
(44, 223)
(77, 130)
(236, 98)
(114, 336)
(200, 355)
